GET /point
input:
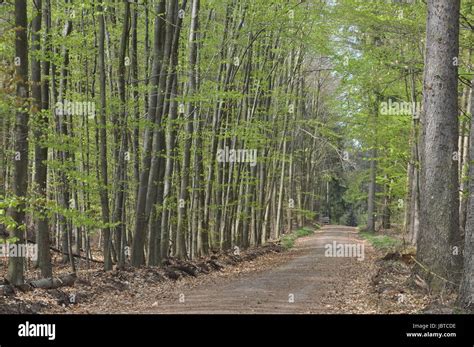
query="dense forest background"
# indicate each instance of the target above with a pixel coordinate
(132, 131)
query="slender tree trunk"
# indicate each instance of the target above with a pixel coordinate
(386, 224)
(191, 109)
(41, 103)
(464, 158)
(104, 193)
(123, 156)
(371, 208)
(466, 293)
(136, 98)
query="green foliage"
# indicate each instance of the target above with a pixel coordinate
(288, 240)
(376, 48)
(332, 63)
(5, 219)
(382, 242)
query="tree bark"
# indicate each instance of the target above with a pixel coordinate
(104, 192)
(121, 173)
(466, 293)
(143, 201)
(371, 207)
(191, 109)
(41, 103)
(20, 174)
(439, 209)
(54, 282)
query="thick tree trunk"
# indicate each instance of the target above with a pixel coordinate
(439, 209)
(20, 174)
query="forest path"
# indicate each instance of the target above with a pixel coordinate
(308, 277)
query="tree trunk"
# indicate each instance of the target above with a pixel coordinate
(144, 201)
(372, 188)
(41, 102)
(466, 294)
(54, 282)
(104, 194)
(439, 209)
(121, 174)
(20, 175)
(191, 109)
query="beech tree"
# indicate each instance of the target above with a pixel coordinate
(20, 162)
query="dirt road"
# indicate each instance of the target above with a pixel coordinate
(307, 282)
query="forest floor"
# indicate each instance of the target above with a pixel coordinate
(266, 280)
